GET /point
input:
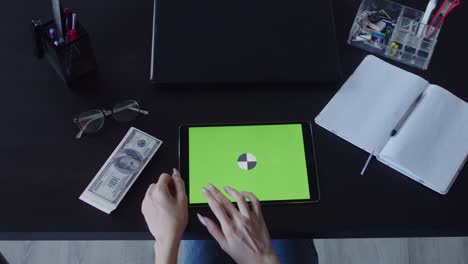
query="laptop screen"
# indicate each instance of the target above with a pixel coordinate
(244, 41)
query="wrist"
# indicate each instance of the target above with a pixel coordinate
(167, 243)
(166, 251)
(270, 258)
(167, 240)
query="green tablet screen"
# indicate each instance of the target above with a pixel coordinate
(268, 160)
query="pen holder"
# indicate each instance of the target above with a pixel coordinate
(395, 31)
(72, 60)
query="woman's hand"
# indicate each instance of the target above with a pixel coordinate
(243, 233)
(165, 210)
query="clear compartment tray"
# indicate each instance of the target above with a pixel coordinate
(395, 31)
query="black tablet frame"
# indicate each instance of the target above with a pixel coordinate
(309, 148)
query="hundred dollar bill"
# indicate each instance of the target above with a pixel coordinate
(120, 171)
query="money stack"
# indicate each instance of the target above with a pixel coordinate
(120, 171)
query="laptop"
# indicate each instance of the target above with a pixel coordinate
(244, 41)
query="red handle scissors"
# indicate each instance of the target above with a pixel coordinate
(440, 16)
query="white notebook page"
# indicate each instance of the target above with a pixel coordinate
(432, 144)
(371, 102)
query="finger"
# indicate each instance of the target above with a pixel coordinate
(148, 191)
(176, 173)
(160, 191)
(147, 198)
(254, 201)
(241, 203)
(217, 208)
(179, 184)
(228, 206)
(213, 228)
(163, 182)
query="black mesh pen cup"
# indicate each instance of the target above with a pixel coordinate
(72, 60)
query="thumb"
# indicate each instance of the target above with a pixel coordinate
(179, 184)
(163, 182)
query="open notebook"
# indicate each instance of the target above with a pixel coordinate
(431, 144)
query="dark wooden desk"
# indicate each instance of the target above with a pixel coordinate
(45, 169)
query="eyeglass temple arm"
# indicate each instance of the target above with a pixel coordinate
(144, 112)
(80, 133)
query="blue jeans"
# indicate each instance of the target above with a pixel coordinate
(288, 252)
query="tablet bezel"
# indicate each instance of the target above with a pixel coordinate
(309, 148)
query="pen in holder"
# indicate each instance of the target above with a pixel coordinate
(395, 31)
(72, 59)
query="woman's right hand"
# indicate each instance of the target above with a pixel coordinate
(243, 233)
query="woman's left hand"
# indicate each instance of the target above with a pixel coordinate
(165, 208)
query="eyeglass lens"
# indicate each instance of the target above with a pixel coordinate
(90, 121)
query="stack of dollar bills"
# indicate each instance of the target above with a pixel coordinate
(120, 171)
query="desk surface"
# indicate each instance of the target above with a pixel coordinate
(45, 169)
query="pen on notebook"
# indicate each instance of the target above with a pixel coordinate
(406, 115)
(425, 19)
(367, 163)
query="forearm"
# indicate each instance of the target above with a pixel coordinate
(166, 252)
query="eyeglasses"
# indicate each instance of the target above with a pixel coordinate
(93, 120)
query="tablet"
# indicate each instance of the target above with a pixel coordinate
(275, 161)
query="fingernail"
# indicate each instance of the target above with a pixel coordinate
(227, 188)
(202, 220)
(211, 186)
(176, 173)
(204, 190)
